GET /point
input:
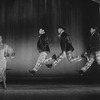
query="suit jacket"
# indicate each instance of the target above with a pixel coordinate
(65, 42)
(42, 44)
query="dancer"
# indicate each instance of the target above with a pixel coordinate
(66, 47)
(43, 48)
(93, 50)
(5, 52)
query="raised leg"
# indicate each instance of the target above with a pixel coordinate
(73, 59)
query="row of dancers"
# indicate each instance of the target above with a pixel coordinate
(91, 54)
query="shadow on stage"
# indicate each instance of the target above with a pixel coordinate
(48, 88)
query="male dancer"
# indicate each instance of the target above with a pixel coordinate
(93, 50)
(66, 47)
(43, 48)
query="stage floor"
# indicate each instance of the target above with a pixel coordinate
(51, 92)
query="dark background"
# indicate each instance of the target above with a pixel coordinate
(20, 21)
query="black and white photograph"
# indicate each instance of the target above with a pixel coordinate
(49, 49)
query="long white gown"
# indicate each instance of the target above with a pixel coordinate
(4, 51)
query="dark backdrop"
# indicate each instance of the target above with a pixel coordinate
(20, 21)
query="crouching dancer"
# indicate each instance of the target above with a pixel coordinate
(66, 47)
